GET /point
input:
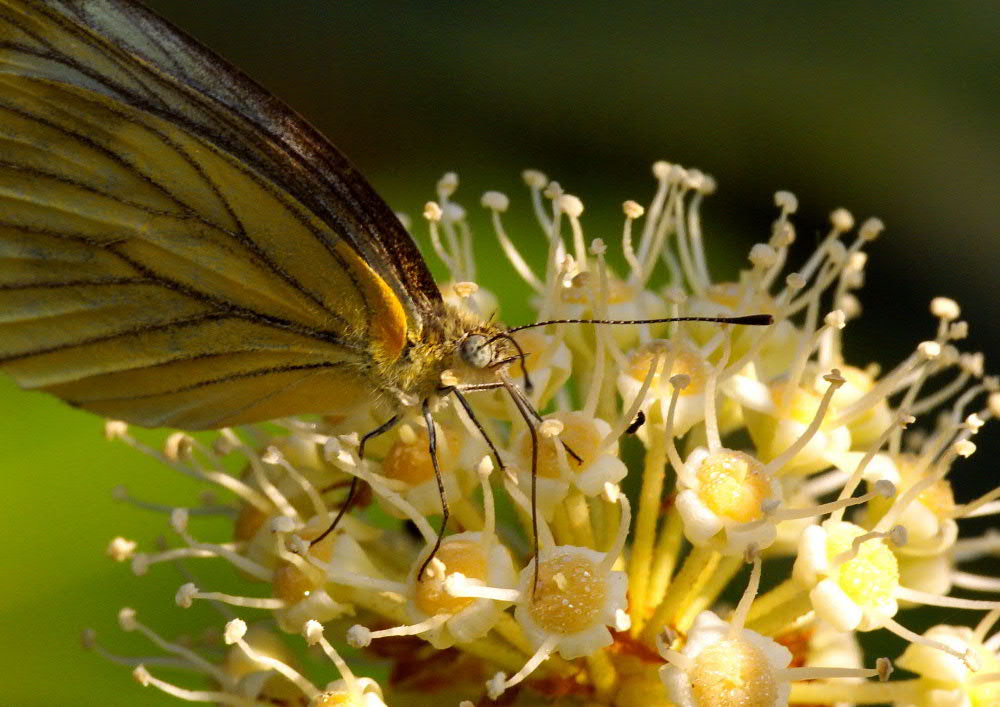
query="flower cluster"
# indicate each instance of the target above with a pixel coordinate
(760, 456)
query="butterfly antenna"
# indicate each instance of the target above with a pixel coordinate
(445, 512)
(528, 385)
(530, 422)
(352, 491)
(748, 320)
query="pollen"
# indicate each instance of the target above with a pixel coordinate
(462, 556)
(733, 484)
(570, 594)
(579, 433)
(733, 673)
(686, 361)
(871, 577)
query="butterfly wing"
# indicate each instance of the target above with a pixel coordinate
(219, 102)
(157, 263)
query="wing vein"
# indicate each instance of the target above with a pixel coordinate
(242, 375)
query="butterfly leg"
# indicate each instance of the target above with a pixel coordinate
(529, 420)
(518, 394)
(445, 512)
(380, 430)
(475, 420)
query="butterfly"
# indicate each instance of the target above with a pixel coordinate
(180, 249)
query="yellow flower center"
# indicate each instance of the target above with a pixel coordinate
(686, 361)
(726, 294)
(333, 699)
(870, 578)
(579, 433)
(291, 583)
(463, 556)
(534, 344)
(801, 404)
(857, 378)
(237, 664)
(570, 594)
(733, 484)
(585, 286)
(986, 693)
(410, 460)
(938, 497)
(733, 673)
(248, 522)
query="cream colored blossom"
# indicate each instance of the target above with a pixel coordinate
(766, 445)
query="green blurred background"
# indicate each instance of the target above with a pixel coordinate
(889, 109)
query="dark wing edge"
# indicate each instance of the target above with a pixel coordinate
(273, 138)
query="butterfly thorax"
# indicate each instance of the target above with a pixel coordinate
(453, 346)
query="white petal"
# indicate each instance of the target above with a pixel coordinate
(688, 476)
(811, 560)
(604, 469)
(707, 629)
(834, 606)
(933, 663)
(737, 540)
(678, 686)
(583, 643)
(750, 393)
(700, 523)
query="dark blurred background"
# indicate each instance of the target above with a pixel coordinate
(888, 109)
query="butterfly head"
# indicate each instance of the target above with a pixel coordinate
(477, 350)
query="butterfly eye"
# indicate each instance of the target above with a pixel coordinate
(477, 351)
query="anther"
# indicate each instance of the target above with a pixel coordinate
(763, 256)
(661, 169)
(795, 281)
(842, 220)
(186, 595)
(835, 319)
(550, 428)
(115, 429)
(871, 229)
(496, 201)
(452, 213)
(121, 549)
(534, 179)
(786, 201)
(571, 205)
(633, 209)
(884, 667)
(964, 448)
(945, 308)
(177, 447)
(448, 183)
(432, 212)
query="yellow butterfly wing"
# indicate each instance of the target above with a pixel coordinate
(162, 270)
